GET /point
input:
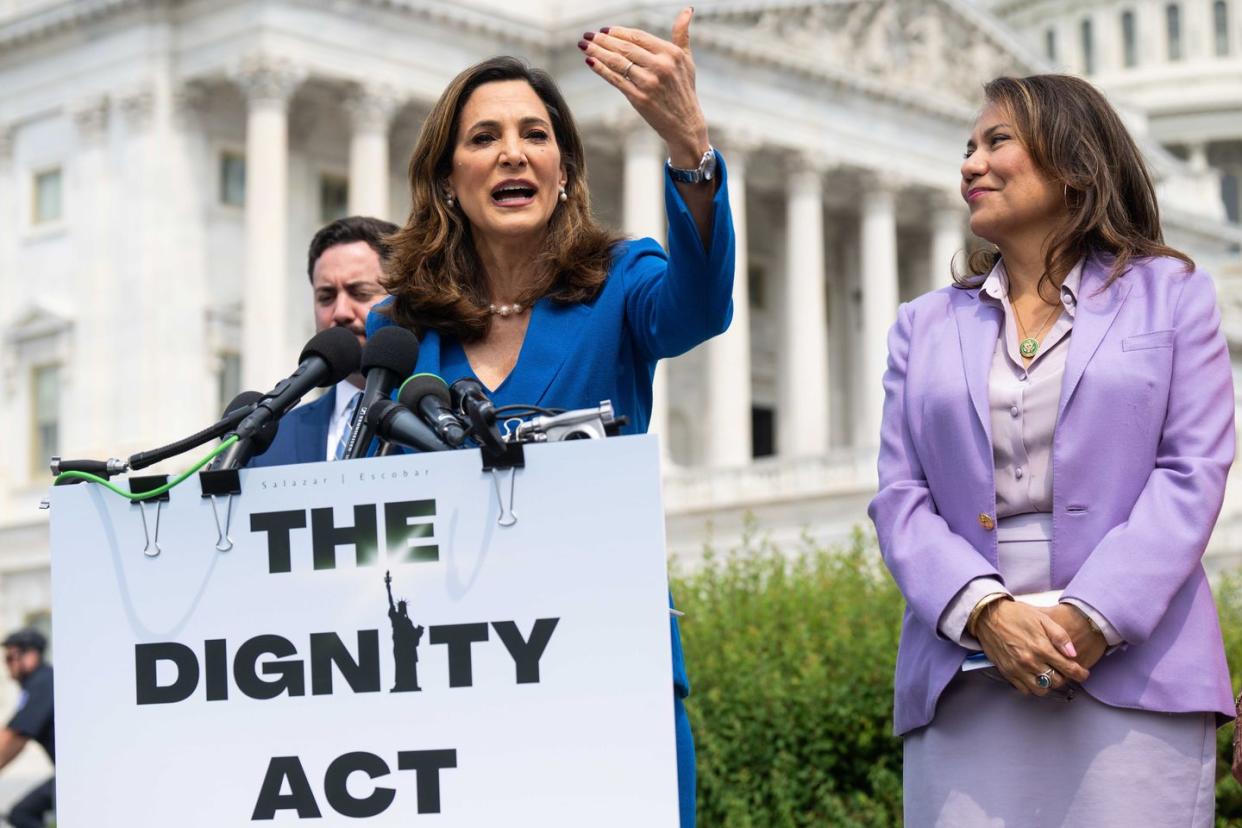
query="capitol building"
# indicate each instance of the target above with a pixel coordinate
(164, 164)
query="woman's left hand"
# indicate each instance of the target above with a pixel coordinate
(1088, 641)
(657, 78)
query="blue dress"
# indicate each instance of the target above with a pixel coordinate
(654, 305)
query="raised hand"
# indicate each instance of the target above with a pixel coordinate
(657, 78)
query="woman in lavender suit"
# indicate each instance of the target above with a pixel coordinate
(1058, 423)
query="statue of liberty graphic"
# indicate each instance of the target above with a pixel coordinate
(405, 638)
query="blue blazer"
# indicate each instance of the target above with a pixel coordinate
(302, 435)
(653, 305)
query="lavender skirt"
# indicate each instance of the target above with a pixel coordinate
(993, 758)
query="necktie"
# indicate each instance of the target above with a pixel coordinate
(349, 418)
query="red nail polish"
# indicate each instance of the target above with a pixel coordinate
(590, 61)
(582, 44)
(589, 36)
(605, 30)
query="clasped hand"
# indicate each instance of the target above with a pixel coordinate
(657, 78)
(1025, 641)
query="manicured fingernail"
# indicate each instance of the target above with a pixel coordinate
(605, 30)
(590, 61)
(588, 36)
(1069, 649)
(582, 44)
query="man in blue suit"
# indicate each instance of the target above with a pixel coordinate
(344, 266)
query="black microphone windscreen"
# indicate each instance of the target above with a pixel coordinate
(392, 348)
(242, 400)
(337, 347)
(422, 385)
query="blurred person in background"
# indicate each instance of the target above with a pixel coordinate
(344, 264)
(23, 655)
(1060, 424)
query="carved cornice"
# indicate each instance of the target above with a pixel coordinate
(62, 17)
(928, 55)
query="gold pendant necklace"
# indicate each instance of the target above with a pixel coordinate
(1029, 345)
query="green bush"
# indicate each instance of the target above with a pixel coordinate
(791, 660)
(791, 664)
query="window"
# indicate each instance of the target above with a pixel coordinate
(333, 198)
(45, 417)
(763, 431)
(1220, 20)
(1173, 28)
(1129, 40)
(233, 179)
(1050, 44)
(1229, 193)
(757, 286)
(1088, 47)
(228, 380)
(47, 206)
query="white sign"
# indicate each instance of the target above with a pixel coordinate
(524, 681)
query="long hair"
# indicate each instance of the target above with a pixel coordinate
(1076, 139)
(434, 272)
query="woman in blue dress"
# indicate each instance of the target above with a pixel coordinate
(505, 276)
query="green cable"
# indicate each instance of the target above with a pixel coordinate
(94, 478)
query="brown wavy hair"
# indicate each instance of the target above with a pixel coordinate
(1076, 139)
(434, 271)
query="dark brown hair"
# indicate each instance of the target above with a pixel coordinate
(345, 231)
(1076, 139)
(434, 272)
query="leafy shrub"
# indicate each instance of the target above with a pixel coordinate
(791, 664)
(791, 660)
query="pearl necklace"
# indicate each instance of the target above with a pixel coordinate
(505, 311)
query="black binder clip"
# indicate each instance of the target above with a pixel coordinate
(508, 458)
(221, 483)
(142, 485)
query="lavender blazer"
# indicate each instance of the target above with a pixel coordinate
(1143, 442)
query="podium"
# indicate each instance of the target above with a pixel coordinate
(518, 675)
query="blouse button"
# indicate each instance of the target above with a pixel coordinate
(1014, 410)
(1018, 472)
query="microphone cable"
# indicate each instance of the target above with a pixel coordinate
(177, 481)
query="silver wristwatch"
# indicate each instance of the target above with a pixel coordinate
(706, 171)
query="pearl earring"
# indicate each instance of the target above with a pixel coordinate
(563, 196)
(448, 199)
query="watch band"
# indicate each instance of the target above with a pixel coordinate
(706, 171)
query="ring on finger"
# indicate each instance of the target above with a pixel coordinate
(626, 74)
(1044, 679)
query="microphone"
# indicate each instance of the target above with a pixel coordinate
(470, 400)
(429, 396)
(329, 357)
(239, 454)
(395, 423)
(389, 356)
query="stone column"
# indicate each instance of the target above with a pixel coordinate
(802, 417)
(90, 200)
(370, 113)
(728, 440)
(643, 215)
(948, 239)
(266, 352)
(879, 305)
